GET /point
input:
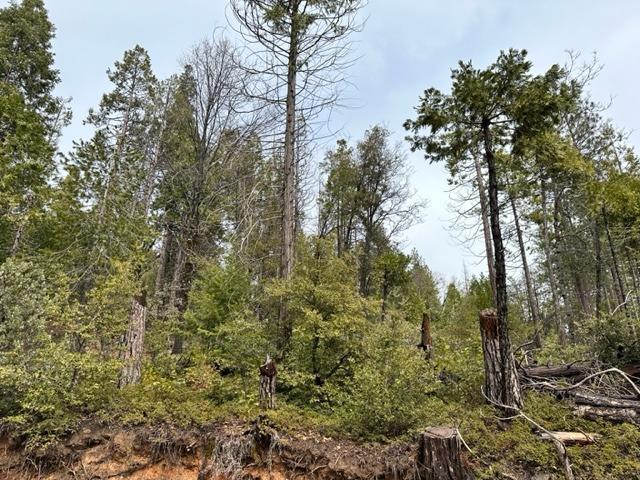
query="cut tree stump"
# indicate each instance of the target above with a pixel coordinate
(425, 338)
(439, 455)
(572, 438)
(268, 373)
(494, 364)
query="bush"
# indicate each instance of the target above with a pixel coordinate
(614, 339)
(390, 385)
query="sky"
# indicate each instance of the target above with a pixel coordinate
(405, 47)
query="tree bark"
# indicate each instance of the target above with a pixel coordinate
(440, 455)
(133, 344)
(486, 228)
(493, 361)
(509, 385)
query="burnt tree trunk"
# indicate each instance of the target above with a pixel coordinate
(439, 455)
(130, 373)
(425, 337)
(268, 374)
(493, 361)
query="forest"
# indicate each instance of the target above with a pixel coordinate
(198, 267)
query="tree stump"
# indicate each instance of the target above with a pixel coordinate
(425, 339)
(268, 375)
(493, 361)
(439, 455)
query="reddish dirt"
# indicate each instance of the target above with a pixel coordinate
(229, 451)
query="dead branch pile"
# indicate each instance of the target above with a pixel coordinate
(612, 394)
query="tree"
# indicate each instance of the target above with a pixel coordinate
(211, 125)
(367, 200)
(490, 109)
(300, 48)
(30, 120)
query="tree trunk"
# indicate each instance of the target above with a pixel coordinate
(425, 339)
(615, 415)
(486, 228)
(585, 398)
(161, 274)
(598, 252)
(508, 380)
(574, 371)
(268, 374)
(619, 283)
(130, 373)
(531, 296)
(549, 263)
(494, 361)
(289, 181)
(440, 455)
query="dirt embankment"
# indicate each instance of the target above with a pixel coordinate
(228, 451)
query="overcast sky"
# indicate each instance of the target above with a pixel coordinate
(405, 47)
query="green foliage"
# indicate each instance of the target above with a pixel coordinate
(390, 385)
(219, 294)
(329, 318)
(612, 338)
(44, 386)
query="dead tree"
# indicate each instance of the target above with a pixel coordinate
(268, 374)
(425, 339)
(494, 363)
(134, 342)
(439, 455)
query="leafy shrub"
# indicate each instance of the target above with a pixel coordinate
(390, 385)
(614, 339)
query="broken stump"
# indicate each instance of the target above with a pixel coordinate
(439, 455)
(268, 375)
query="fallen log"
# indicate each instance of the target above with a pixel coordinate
(615, 415)
(570, 370)
(439, 455)
(583, 398)
(571, 438)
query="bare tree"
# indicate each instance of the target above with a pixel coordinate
(212, 121)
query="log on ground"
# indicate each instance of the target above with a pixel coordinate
(572, 438)
(616, 415)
